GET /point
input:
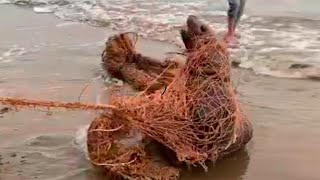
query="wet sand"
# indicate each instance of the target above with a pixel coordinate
(44, 57)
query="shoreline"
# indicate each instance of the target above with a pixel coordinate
(261, 59)
(55, 62)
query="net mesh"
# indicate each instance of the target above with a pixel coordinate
(121, 61)
(198, 117)
(195, 119)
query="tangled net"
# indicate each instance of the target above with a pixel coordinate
(17, 103)
(197, 119)
(120, 60)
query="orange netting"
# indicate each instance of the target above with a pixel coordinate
(17, 103)
(198, 118)
(120, 60)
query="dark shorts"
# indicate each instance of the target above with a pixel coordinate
(236, 8)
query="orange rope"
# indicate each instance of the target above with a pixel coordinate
(16, 102)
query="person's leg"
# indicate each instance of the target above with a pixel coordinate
(234, 6)
(240, 13)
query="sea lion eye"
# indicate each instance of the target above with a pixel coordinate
(203, 28)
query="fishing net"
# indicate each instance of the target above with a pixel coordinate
(197, 118)
(120, 60)
(124, 151)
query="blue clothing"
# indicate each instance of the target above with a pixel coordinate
(236, 8)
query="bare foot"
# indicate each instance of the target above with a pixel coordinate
(230, 39)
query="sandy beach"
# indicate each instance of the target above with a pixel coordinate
(47, 58)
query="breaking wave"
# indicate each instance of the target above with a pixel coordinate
(276, 46)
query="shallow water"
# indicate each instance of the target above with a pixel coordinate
(268, 27)
(44, 57)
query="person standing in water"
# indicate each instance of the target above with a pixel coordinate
(235, 12)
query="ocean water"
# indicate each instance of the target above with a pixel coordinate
(278, 38)
(47, 58)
